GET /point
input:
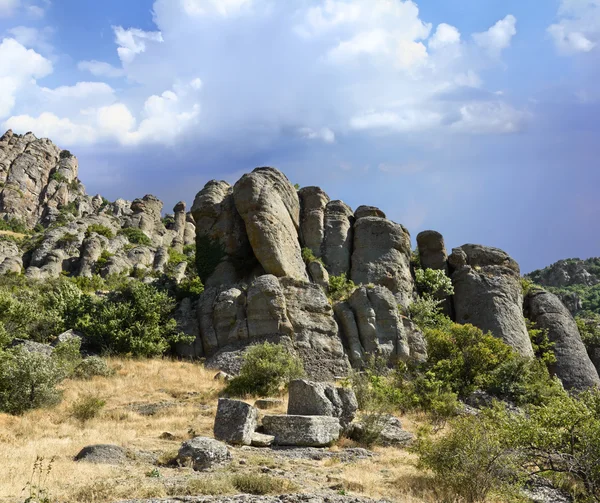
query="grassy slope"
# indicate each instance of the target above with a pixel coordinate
(54, 432)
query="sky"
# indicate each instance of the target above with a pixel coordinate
(479, 119)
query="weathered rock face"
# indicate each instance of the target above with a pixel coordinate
(573, 365)
(204, 453)
(268, 203)
(488, 294)
(336, 249)
(381, 256)
(566, 273)
(307, 398)
(302, 431)
(235, 422)
(313, 202)
(432, 251)
(371, 325)
(220, 235)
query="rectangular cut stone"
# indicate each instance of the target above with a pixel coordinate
(302, 431)
(235, 422)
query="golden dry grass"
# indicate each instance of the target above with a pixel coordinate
(14, 234)
(54, 433)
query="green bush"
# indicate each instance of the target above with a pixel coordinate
(190, 287)
(340, 288)
(209, 254)
(433, 286)
(93, 366)
(68, 239)
(103, 260)
(87, 407)
(308, 256)
(28, 380)
(135, 319)
(589, 328)
(57, 177)
(136, 236)
(266, 370)
(102, 230)
(14, 225)
(473, 460)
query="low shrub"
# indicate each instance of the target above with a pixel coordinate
(135, 236)
(340, 288)
(93, 366)
(267, 368)
(102, 230)
(28, 380)
(87, 407)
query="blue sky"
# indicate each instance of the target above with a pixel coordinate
(479, 119)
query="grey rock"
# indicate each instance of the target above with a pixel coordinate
(336, 249)
(229, 317)
(266, 309)
(260, 440)
(386, 429)
(247, 498)
(103, 454)
(269, 205)
(204, 453)
(381, 256)
(319, 274)
(416, 341)
(368, 211)
(187, 322)
(308, 398)
(315, 331)
(32, 347)
(573, 365)
(312, 218)
(432, 251)
(235, 421)
(488, 294)
(309, 431)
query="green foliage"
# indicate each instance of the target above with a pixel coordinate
(87, 407)
(433, 283)
(415, 259)
(176, 257)
(308, 256)
(473, 460)
(135, 236)
(67, 355)
(93, 366)
(168, 221)
(266, 370)
(36, 485)
(100, 229)
(103, 260)
(68, 239)
(340, 288)
(209, 254)
(433, 286)
(88, 284)
(589, 328)
(297, 186)
(542, 347)
(134, 319)
(57, 177)
(38, 228)
(426, 312)
(190, 287)
(65, 154)
(14, 225)
(526, 285)
(69, 209)
(28, 380)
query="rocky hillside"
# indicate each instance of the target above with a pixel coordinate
(269, 256)
(575, 281)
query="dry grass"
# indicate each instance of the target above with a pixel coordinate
(193, 392)
(14, 234)
(53, 433)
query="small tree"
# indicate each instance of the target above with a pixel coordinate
(267, 369)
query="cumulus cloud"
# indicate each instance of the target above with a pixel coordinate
(249, 71)
(33, 38)
(578, 26)
(101, 69)
(133, 41)
(499, 36)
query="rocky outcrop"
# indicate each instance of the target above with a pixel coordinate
(488, 294)
(307, 398)
(204, 453)
(313, 202)
(336, 249)
(432, 251)
(573, 365)
(269, 205)
(235, 422)
(302, 431)
(372, 325)
(381, 256)
(565, 273)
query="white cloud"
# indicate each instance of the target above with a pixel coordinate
(324, 134)
(133, 41)
(221, 7)
(444, 35)
(60, 130)
(578, 26)
(100, 69)
(247, 72)
(18, 67)
(8, 7)
(490, 118)
(33, 38)
(499, 36)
